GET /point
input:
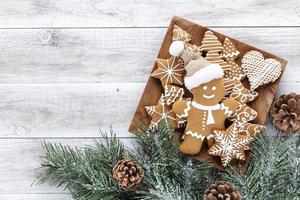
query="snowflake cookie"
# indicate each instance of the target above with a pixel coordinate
(229, 144)
(161, 112)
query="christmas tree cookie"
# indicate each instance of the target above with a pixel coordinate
(213, 47)
(230, 53)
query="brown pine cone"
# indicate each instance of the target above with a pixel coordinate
(128, 174)
(285, 113)
(221, 190)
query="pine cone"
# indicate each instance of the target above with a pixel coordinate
(128, 174)
(285, 112)
(221, 190)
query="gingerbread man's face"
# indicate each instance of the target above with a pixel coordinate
(210, 93)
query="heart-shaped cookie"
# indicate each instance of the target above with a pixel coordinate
(260, 71)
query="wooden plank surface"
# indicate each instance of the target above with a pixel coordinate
(68, 82)
(67, 110)
(58, 196)
(114, 55)
(144, 13)
(73, 110)
(19, 162)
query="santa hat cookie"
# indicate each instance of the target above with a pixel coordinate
(201, 71)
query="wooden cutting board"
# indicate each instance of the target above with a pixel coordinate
(153, 89)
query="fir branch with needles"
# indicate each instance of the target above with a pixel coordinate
(87, 172)
(273, 172)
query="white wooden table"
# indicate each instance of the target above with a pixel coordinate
(71, 68)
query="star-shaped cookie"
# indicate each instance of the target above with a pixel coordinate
(161, 112)
(169, 71)
(229, 144)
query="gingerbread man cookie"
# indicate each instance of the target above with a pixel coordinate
(161, 112)
(205, 112)
(169, 71)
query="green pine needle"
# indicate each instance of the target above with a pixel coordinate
(87, 173)
(273, 172)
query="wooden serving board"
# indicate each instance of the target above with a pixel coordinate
(153, 89)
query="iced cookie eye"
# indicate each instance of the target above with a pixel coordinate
(204, 87)
(213, 88)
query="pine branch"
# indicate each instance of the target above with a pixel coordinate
(165, 189)
(274, 167)
(158, 152)
(87, 172)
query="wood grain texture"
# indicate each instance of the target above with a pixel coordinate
(66, 110)
(73, 110)
(47, 75)
(37, 196)
(114, 55)
(19, 162)
(131, 13)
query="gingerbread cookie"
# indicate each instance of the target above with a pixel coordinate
(230, 53)
(250, 130)
(242, 94)
(260, 71)
(192, 47)
(181, 41)
(161, 112)
(173, 93)
(180, 34)
(212, 46)
(243, 114)
(169, 71)
(229, 144)
(229, 85)
(205, 112)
